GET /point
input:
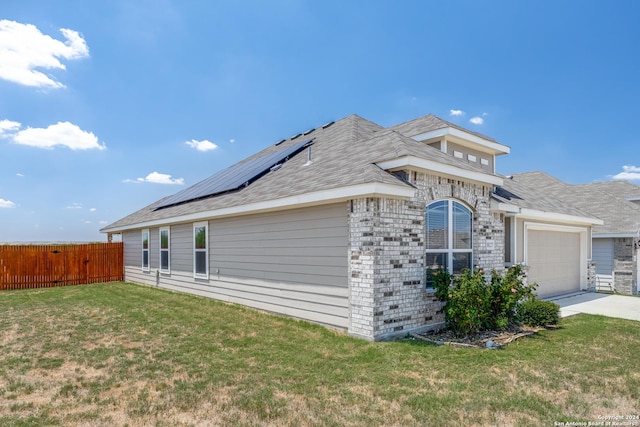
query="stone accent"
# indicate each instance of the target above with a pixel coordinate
(591, 276)
(625, 266)
(387, 295)
(623, 274)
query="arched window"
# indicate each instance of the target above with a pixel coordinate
(449, 237)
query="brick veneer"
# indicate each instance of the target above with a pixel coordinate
(387, 294)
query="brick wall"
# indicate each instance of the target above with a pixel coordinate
(386, 270)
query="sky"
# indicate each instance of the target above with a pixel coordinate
(108, 106)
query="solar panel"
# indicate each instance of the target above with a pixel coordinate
(234, 177)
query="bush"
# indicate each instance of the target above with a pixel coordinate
(467, 302)
(472, 305)
(539, 313)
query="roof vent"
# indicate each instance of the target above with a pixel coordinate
(327, 125)
(309, 131)
(309, 161)
(280, 142)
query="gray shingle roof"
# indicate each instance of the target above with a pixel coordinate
(343, 154)
(429, 123)
(538, 191)
(619, 215)
(623, 189)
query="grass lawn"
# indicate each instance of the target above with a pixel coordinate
(122, 354)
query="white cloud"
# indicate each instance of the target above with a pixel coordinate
(24, 50)
(456, 113)
(92, 209)
(75, 205)
(631, 173)
(7, 204)
(87, 222)
(232, 140)
(158, 178)
(476, 120)
(203, 145)
(19, 175)
(8, 127)
(62, 133)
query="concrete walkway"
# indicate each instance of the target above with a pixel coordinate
(624, 307)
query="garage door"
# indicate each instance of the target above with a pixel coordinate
(554, 261)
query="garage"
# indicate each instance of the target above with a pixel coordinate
(554, 258)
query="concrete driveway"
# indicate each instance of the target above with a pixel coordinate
(624, 307)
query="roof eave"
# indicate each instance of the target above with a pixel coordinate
(557, 217)
(613, 235)
(433, 166)
(335, 195)
(495, 147)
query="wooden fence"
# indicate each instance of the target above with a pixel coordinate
(43, 266)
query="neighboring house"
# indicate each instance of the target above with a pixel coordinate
(615, 242)
(342, 224)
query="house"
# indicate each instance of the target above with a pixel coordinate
(342, 225)
(615, 242)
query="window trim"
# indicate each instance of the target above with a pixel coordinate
(449, 249)
(204, 224)
(143, 250)
(168, 249)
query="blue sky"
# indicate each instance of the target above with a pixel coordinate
(107, 106)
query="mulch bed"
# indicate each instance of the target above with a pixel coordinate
(485, 339)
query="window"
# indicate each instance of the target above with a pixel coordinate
(200, 252)
(145, 250)
(449, 238)
(164, 250)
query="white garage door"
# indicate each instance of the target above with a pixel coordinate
(554, 261)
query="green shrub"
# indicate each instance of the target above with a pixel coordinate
(473, 305)
(539, 313)
(506, 292)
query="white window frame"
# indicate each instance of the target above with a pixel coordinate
(450, 250)
(196, 225)
(142, 252)
(167, 250)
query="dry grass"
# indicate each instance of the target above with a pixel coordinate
(121, 354)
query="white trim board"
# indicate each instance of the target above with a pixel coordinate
(401, 191)
(433, 166)
(495, 147)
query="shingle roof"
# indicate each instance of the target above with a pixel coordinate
(619, 215)
(538, 191)
(344, 154)
(429, 123)
(623, 189)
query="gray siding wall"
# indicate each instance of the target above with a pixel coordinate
(182, 247)
(303, 246)
(132, 248)
(290, 262)
(154, 248)
(451, 147)
(603, 255)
